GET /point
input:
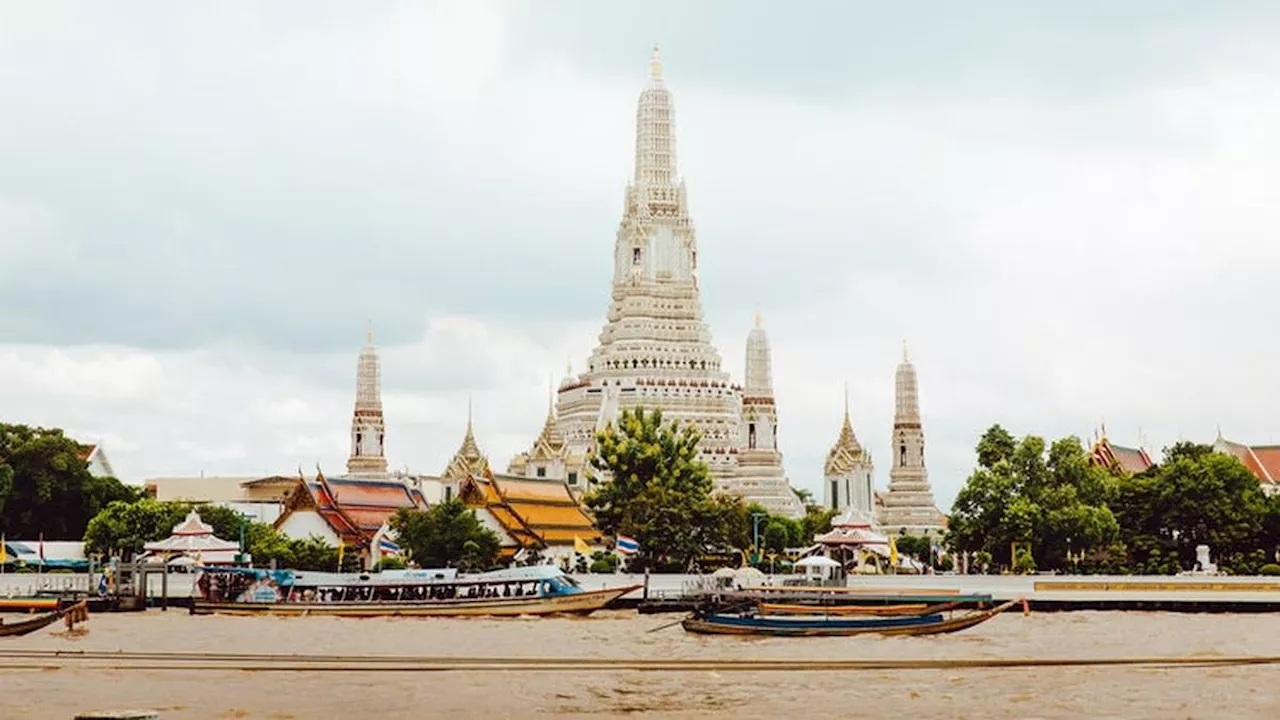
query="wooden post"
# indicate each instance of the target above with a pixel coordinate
(164, 585)
(646, 583)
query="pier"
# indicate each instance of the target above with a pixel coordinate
(1046, 593)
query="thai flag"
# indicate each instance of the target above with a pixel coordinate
(627, 545)
(388, 547)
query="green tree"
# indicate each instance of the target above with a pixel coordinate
(45, 486)
(1050, 498)
(126, 526)
(658, 491)
(1196, 497)
(445, 535)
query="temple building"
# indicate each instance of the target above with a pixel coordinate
(908, 505)
(95, 458)
(655, 349)
(531, 517)
(352, 511)
(847, 474)
(1118, 459)
(1262, 460)
(551, 455)
(368, 429)
(760, 476)
(468, 461)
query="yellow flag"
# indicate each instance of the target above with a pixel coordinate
(4, 553)
(893, 552)
(341, 546)
(580, 547)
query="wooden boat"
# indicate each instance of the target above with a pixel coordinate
(752, 624)
(27, 604)
(76, 613)
(536, 590)
(915, 609)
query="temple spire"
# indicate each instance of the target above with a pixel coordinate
(368, 427)
(655, 64)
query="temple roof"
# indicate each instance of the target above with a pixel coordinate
(468, 460)
(534, 513)
(847, 452)
(354, 509)
(1262, 460)
(1118, 457)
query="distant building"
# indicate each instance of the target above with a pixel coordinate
(352, 511)
(259, 498)
(97, 461)
(531, 516)
(1118, 458)
(1262, 460)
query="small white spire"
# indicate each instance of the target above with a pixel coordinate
(905, 357)
(655, 64)
(368, 333)
(757, 319)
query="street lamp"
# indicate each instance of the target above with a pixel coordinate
(756, 517)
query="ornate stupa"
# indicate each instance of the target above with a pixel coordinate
(908, 505)
(368, 427)
(760, 476)
(655, 350)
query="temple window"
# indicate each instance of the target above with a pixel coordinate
(902, 454)
(635, 256)
(542, 472)
(573, 478)
(448, 493)
(751, 436)
(835, 494)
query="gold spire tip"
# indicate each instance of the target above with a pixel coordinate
(655, 63)
(368, 332)
(757, 318)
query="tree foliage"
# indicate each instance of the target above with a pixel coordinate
(1079, 517)
(1022, 492)
(659, 492)
(46, 488)
(446, 535)
(125, 527)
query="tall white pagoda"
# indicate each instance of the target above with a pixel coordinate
(655, 350)
(908, 505)
(760, 476)
(368, 427)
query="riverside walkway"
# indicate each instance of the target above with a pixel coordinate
(1182, 593)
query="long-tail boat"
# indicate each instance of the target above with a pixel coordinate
(752, 623)
(533, 590)
(77, 612)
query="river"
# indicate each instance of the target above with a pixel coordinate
(1215, 692)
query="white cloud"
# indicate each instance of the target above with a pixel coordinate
(1053, 258)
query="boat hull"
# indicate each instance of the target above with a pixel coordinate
(576, 603)
(25, 627)
(929, 625)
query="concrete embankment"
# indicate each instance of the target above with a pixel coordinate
(1183, 593)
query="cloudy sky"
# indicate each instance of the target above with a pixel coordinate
(1067, 210)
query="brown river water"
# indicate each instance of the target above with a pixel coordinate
(1084, 692)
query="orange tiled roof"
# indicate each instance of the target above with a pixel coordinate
(1118, 457)
(533, 512)
(1262, 460)
(85, 452)
(354, 509)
